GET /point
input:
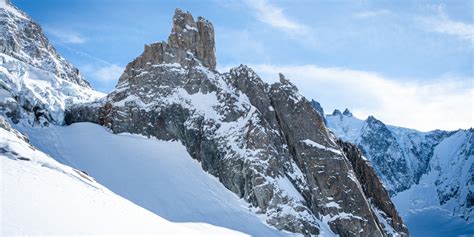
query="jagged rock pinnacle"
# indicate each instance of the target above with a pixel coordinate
(190, 44)
(195, 37)
(336, 112)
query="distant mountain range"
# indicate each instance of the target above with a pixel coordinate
(419, 169)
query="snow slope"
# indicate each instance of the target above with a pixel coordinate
(43, 197)
(157, 175)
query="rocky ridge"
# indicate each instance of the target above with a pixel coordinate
(264, 142)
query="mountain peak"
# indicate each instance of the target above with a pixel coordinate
(347, 113)
(194, 37)
(336, 112)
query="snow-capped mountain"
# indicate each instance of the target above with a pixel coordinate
(421, 169)
(36, 83)
(225, 149)
(259, 140)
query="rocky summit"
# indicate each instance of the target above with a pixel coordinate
(263, 142)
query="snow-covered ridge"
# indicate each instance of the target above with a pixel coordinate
(36, 83)
(7, 6)
(36, 95)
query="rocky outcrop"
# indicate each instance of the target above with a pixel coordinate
(264, 142)
(373, 188)
(190, 44)
(317, 106)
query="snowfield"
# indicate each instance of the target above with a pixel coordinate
(43, 197)
(157, 175)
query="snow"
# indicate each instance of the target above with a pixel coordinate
(288, 187)
(449, 171)
(347, 128)
(440, 196)
(157, 175)
(188, 27)
(41, 87)
(434, 222)
(9, 8)
(43, 197)
(382, 217)
(319, 146)
(333, 204)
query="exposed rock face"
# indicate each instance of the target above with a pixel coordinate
(264, 142)
(373, 188)
(317, 106)
(190, 44)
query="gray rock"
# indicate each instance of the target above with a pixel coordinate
(264, 142)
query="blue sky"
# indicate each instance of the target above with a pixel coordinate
(409, 63)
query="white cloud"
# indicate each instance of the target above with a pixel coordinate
(109, 73)
(446, 103)
(440, 22)
(274, 16)
(66, 37)
(372, 13)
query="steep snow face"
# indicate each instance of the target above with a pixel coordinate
(36, 84)
(449, 185)
(157, 175)
(423, 170)
(43, 197)
(36, 95)
(23, 39)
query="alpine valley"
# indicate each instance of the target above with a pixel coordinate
(181, 149)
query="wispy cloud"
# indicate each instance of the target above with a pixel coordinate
(372, 13)
(445, 103)
(65, 36)
(441, 23)
(108, 73)
(275, 17)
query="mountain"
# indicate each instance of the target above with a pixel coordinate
(263, 142)
(36, 83)
(420, 169)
